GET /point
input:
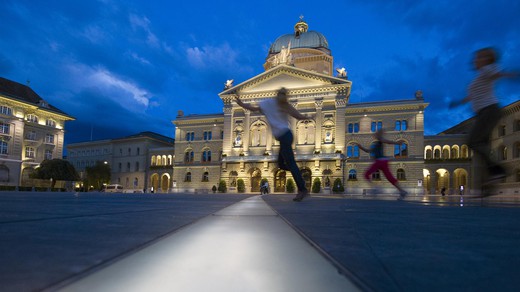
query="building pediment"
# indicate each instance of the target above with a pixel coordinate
(296, 80)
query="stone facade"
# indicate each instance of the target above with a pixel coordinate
(31, 130)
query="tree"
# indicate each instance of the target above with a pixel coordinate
(338, 186)
(56, 169)
(290, 187)
(241, 186)
(97, 175)
(316, 185)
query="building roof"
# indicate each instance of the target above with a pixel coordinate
(23, 93)
(301, 38)
(148, 134)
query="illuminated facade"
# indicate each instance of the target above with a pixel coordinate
(31, 130)
(242, 146)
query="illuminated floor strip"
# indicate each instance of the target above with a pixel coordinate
(244, 247)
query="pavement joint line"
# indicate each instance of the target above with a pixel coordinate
(347, 273)
(92, 269)
(80, 216)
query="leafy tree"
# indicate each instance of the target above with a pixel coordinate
(222, 188)
(57, 169)
(97, 175)
(316, 185)
(338, 186)
(241, 185)
(290, 187)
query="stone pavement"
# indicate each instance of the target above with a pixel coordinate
(52, 241)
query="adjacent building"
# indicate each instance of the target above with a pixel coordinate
(131, 159)
(31, 130)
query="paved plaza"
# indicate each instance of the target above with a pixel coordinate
(229, 242)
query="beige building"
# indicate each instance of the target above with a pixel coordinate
(302, 62)
(129, 157)
(449, 162)
(31, 130)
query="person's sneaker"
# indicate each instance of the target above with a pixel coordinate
(299, 197)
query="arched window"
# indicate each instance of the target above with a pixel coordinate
(401, 175)
(306, 132)
(189, 156)
(353, 151)
(464, 153)
(446, 153)
(164, 160)
(259, 134)
(352, 174)
(205, 176)
(169, 160)
(376, 175)
(401, 150)
(187, 177)
(206, 155)
(437, 154)
(158, 159)
(153, 160)
(454, 152)
(429, 154)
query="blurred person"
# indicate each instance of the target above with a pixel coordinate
(381, 161)
(277, 111)
(485, 105)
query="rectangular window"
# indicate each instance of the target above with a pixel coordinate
(48, 154)
(401, 125)
(356, 127)
(29, 152)
(3, 147)
(376, 125)
(51, 123)
(4, 128)
(49, 139)
(516, 125)
(31, 135)
(6, 110)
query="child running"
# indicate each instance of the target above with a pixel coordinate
(380, 161)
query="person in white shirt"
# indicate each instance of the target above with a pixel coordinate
(277, 111)
(485, 105)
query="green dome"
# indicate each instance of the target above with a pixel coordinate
(309, 39)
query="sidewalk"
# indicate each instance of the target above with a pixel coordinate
(244, 247)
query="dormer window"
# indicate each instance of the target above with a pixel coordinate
(51, 123)
(43, 103)
(31, 118)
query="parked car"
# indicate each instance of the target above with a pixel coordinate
(113, 188)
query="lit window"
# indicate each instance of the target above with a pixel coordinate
(29, 152)
(6, 110)
(353, 151)
(51, 123)
(376, 175)
(32, 118)
(3, 147)
(49, 139)
(352, 174)
(4, 128)
(401, 150)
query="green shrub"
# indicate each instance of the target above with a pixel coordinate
(338, 186)
(241, 185)
(214, 189)
(316, 185)
(222, 188)
(290, 187)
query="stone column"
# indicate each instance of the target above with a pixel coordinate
(228, 129)
(319, 124)
(247, 131)
(341, 103)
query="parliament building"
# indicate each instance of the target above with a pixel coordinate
(238, 144)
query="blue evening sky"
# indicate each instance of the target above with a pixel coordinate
(125, 66)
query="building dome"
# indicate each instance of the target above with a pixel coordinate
(301, 38)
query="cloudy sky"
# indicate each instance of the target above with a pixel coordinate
(125, 66)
